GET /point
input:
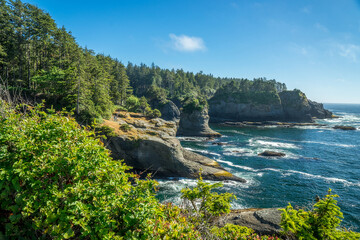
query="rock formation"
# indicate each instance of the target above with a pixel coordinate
(272, 154)
(291, 106)
(151, 146)
(169, 111)
(262, 221)
(196, 123)
(345, 127)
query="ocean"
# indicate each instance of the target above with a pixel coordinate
(317, 158)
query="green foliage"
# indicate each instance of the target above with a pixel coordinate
(132, 104)
(231, 231)
(258, 91)
(154, 113)
(125, 127)
(322, 222)
(104, 131)
(202, 205)
(191, 104)
(58, 182)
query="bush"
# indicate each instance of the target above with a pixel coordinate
(322, 222)
(132, 104)
(153, 113)
(192, 104)
(125, 127)
(104, 131)
(58, 182)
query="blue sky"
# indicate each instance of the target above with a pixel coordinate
(310, 45)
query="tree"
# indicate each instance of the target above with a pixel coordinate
(322, 222)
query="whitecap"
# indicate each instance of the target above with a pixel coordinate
(255, 143)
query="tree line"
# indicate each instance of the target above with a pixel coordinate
(41, 61)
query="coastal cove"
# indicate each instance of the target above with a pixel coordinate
(317, 158)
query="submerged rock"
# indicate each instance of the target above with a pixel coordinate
(272, 154)
(196, 123)
(345, 127)
(155, 149)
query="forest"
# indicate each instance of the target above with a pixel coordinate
(41, 61)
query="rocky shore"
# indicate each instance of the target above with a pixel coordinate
(151, 146)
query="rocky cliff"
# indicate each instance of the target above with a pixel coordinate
(169, 111)
(151, 146)
(196, 123)
(291, 106)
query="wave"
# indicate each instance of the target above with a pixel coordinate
(255, 143)
(313, 142)
(290, 172)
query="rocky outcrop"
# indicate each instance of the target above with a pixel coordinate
(347, 128)
(272, 154)
(228, 110)
(296, 107)
(317, 110)
(291, 106)
(196, 123)
(169, 111)
(150, 146)
(262, 221)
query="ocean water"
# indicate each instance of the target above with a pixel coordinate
(317, 158)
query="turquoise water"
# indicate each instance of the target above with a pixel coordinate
(317, 158)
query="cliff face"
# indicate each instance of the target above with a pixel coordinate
(196, 123)
(151, 146)
(228, 110)
(288, 106)
(169, 111)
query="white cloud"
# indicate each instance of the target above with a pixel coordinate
(185, 43)
(350, 51)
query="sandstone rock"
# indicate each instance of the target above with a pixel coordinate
(196, 124)
(345, 127)
(271, 154)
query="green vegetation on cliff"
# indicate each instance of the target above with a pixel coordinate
(258, 91)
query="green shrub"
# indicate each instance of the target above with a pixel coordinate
(132, 104)
(58, 182)
(104, 131)
(231, 231)
(322, 222)
(153, 113)
(192, 104)
(125, 127)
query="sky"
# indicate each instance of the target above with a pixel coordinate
(310, 45)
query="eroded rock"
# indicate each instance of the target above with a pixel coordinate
(155, 149)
